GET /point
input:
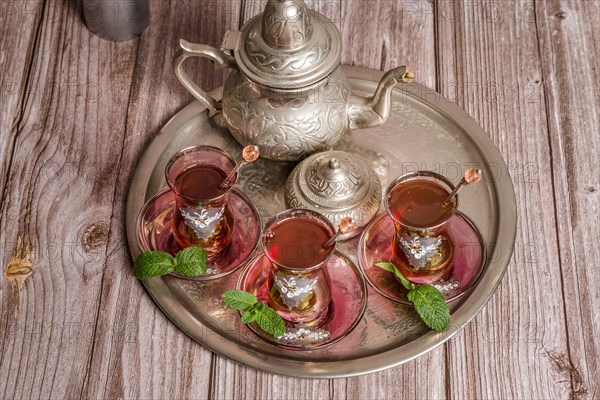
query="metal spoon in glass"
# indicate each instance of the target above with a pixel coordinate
(346, 225)
(249, 154)
(472, 175)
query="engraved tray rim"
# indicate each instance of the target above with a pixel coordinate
(478, 295)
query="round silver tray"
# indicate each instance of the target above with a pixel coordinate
(424, 132)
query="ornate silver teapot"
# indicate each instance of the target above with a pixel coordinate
(287, 93)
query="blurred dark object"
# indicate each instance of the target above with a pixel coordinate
(117, 19)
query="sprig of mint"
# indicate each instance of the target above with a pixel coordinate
(189, 262)
(427, 299)
(254, 310)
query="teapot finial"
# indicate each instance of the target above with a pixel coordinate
(286, 24)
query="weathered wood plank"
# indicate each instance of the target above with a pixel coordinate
(423, 378)
(234, 381)
(389, 33)
(570, 50)
(16, 52)
(490, 65)
(162, 362)
(382, 35)
(230, 380)
(59, 200)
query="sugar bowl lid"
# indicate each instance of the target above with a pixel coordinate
(337, 184)
(287, 46)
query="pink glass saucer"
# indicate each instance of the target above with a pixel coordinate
(348, 303)
(469, 258)
(154, 232)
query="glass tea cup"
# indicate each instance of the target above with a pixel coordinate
(421, 248)
(298, 285)
(202, 215)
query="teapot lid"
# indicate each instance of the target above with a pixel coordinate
(288, 46)
(338, 185)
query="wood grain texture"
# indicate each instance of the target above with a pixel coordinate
(492, 63)
(84, 109)
(491, 81)
(161, 362)
(60, 199)
(16, 52)
(569, 47)
(383, 35)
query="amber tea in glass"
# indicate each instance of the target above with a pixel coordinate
(421, 250)
(298, 286)
(202, 216)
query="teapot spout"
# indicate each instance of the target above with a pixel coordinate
(375, 110)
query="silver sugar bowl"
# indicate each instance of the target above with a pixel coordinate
(338, 185)
(286, 92)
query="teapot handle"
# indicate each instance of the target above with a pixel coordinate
(220, 59)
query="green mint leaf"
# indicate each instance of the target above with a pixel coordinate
(431, 306)
(428, 301)
(392, 268)
(268, 320)
(249, 316)
(153, 263)
(239, 299)
(191, 262)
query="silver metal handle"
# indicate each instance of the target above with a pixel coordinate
(220, 59)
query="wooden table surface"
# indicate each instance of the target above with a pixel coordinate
(77, 113)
